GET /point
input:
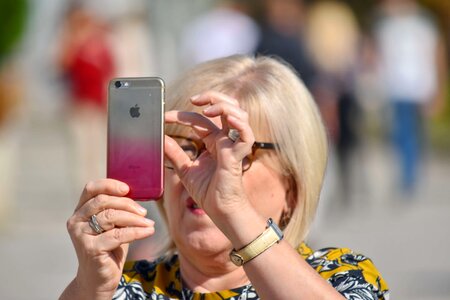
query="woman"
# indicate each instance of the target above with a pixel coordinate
(246, 148)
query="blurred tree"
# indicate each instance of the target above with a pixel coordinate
(13, 15)
(12, 24)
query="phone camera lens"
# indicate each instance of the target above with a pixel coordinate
(118, 84)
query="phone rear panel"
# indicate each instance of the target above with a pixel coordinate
(135, 135)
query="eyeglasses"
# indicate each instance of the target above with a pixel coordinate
(194, 148)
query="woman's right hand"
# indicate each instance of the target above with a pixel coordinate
(101, 256)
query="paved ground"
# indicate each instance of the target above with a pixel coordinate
(407, 240)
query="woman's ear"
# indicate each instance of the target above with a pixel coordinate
(291, 202)
(291, 194)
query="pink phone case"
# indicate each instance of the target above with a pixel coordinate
(136, 134)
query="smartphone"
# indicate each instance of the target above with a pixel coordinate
(135, 140)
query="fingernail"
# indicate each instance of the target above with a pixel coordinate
(123, 188)
(207, 110)
(150, 230)
(148, 221)
(142, 209)
(195, 97)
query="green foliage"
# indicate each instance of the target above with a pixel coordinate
(13, 15)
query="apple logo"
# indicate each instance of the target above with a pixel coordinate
(134, 111)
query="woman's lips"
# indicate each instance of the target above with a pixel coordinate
(193, 207)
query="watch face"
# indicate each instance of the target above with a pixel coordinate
(236, 259)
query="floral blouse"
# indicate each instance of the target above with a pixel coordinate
(353, 275)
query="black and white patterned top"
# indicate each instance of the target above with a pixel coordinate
(353, 275)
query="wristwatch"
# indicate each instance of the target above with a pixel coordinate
(264, 241)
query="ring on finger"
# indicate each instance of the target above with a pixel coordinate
(93, 223)
(233, 134)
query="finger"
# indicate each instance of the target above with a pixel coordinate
(224, 106)
(116, 237)
(102, 186)
(226, 110)
(173, 152)
(201, 125)
(213, 97)
(102, 202)
(236, 118)
(111, 218)
(180, 161)
(222, 110)
(245, 132)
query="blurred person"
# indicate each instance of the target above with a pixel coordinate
(282, 35)
(222, 31)
(333, 38)
(246, 152)
(132, 44)
(86, 60)
(410, 59)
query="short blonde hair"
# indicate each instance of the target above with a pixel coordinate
(281, 110)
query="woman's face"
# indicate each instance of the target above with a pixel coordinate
(192, 230)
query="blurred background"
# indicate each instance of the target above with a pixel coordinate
(377, 69)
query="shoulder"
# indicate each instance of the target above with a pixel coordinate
(142, 279)
(352, 274)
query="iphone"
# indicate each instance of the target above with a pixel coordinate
(135, 152)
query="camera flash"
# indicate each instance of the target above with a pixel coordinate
(125, 84)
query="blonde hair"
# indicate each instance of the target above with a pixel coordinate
(281, 110)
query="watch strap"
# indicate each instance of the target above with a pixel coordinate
(264, 241)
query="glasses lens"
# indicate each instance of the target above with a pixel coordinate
(188, 146)
(192, 150)
(168, 164)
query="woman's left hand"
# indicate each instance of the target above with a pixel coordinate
(214, 179)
